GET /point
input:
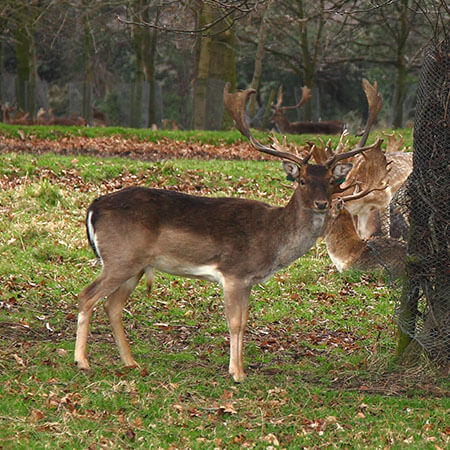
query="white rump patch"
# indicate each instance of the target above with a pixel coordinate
(92, 235)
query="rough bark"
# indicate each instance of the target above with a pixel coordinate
(259, 56)
(149, 44)
(87, 79)
(216, 66)
(26, 67)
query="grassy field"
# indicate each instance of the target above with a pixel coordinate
(319, 346)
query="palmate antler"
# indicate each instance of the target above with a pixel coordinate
(370, 172)
(306, 95)
(235, 105)
(374, 100)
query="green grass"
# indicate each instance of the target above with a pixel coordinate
(319, 346)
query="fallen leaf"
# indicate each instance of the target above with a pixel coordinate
(36, 415)
(62, 352)
(130, 434)
(19, 360)
(271, 439)
(137, 422)
(227, 408)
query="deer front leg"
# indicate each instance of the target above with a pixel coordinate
(114, 306)
(236, 309)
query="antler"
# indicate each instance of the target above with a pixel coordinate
(321, 154)
(374, 100)
(371, 171)
(235, 105)
(340, 156)
(306, 95)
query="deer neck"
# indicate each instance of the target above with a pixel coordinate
(344, 246)
(282, 122)
(298, 228)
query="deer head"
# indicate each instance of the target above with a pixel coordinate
(330, 171)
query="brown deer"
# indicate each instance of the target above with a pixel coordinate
(235, 242)
(74, 120)
(370, 169)
(348, 251)
(285, 126)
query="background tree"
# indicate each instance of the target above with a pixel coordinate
(216, 66)
(393, 37)
(20, 18)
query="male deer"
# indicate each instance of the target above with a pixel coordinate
(285, 126)
(366, 210)
(233, 241)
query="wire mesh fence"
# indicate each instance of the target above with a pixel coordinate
(423, 305)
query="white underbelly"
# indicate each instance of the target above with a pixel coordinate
(183, 269)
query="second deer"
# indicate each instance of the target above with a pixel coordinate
(347, 250)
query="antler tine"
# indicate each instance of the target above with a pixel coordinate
(318, 153)
(279, 97)
(362, 193)
(340, 145)
(339, 157)
(235, 105)
(306, 95)
(374, 100)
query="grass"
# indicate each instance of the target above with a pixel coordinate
(319, 346)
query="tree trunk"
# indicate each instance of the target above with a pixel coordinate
(26, 68)
(149, 43)
(1, 72)
(139, 75)
(400, 68)
(259, 55)
(87, 80)
(310, 51)
(424, 308)
(216, 66)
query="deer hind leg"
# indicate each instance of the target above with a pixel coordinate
(149, 275)
(88, 298)
(114, 307)
(236, 310)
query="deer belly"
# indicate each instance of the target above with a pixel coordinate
(185, 269)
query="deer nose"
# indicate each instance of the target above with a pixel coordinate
(321, 204)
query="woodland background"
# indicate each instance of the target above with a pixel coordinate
(138, 62)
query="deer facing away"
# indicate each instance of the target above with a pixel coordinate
(233, 241)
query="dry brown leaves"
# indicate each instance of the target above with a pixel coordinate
(130, 148)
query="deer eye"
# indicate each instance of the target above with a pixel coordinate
(302, 181)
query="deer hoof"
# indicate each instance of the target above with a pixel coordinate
(83, 365)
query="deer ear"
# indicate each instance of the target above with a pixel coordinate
(292, 170)
(341, 171)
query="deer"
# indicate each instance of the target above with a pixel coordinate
(347, 250)
(367, 210)
(285, 126)
(235, 242)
